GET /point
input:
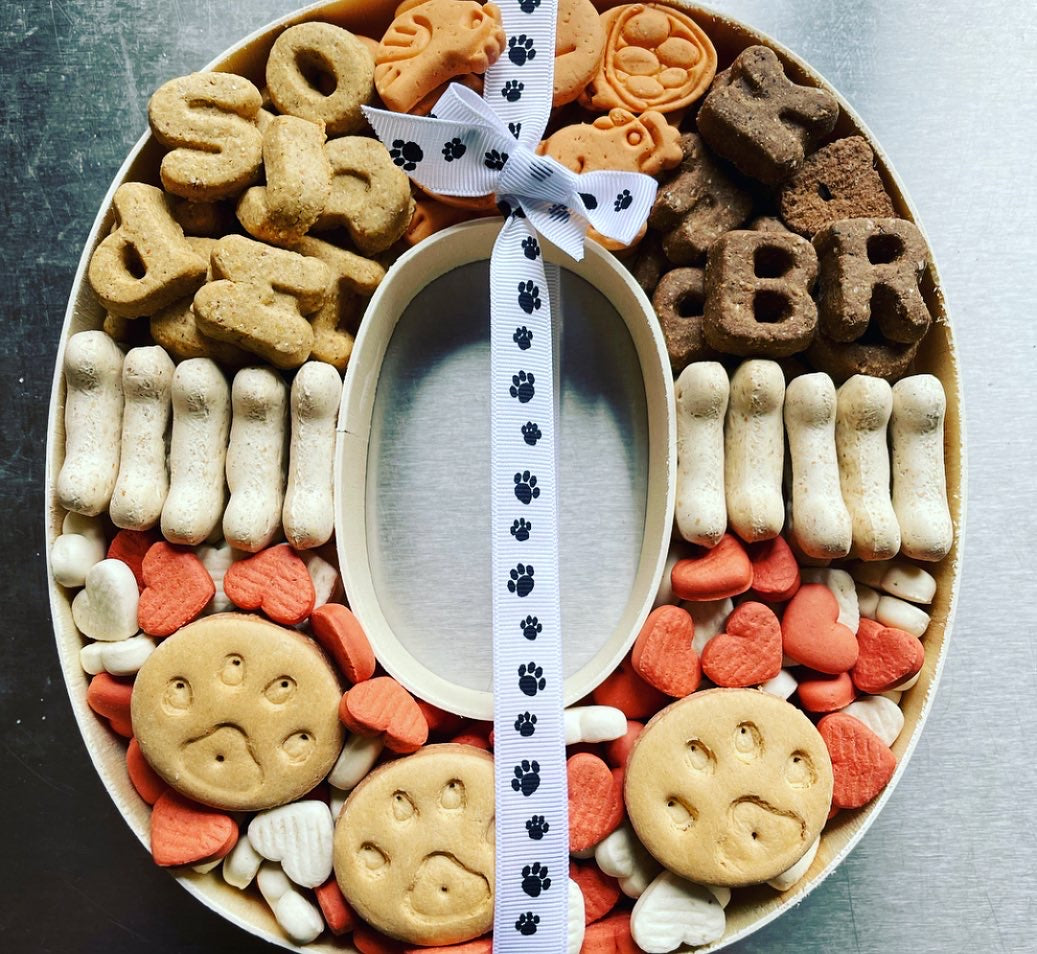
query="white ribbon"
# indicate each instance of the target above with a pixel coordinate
(472, 146)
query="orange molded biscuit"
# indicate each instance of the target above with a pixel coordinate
(595, 801)
(440, 722)
(887, 657)
(338, 915)
(177, 588)
(748, 652)
(111, 698)
(826, 693)
(185, 833)
(600, 891)
(380, 706)
(144, 778)
(275, 581)
(618, 751)
(610, 936)
(625, 690)
(775, 570)
(861, 761)
(130, 546)
(663, 654)
(343, 638)
(715, 575)
(579, 48)
(812, 634)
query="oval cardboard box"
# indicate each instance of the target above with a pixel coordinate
(751, 908)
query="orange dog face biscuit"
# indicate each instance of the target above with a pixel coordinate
(414, 846)
(619, 141)
(238, 713)
(655, 58)
(729, 786)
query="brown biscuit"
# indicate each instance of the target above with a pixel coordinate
(679, 301)
(649, 263)
(431, 216)
(839, 181)
(206, 219)
(414, 846)
(729, 786)
(697, 204)
(579, 47)
(757, 118)
(238, 713)
(343, 69)
(766, 223)
(878, 358)
(758, 288)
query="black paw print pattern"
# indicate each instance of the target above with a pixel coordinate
(526, 488)
(529, 297)
(520, 530)
(522, 387)
(454, 149)
(531, 433)
(521, 582)
(495, 160)
(559, 213)
(623, 201)
(406, 155)
(535, 879)
(523, 337)
(512, 90)
(531, 679)
(528, 6)
(520, 50)
(588, 200)
(526, 724)
(537, 826)
(527, 923)
(507, 210)
(531, 627)
(516, 128)
(527, 778)
(531, 248)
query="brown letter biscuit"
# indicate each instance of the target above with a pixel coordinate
(679, 301)
(729, 786)
(414, 846)
(238, 713)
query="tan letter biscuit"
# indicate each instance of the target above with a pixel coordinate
(579, 47)
(414, 846)
(679, 301)
(238, 713)
(729, 786)
(209, 122)
(146, 262)
(343, 65)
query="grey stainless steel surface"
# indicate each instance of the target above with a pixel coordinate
(947, 88)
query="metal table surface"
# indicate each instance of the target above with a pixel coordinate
(947, 88)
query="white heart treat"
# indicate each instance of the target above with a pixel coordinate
(299, 836)
(107, 607)
(672, 912)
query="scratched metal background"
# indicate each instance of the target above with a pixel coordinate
(946, 86)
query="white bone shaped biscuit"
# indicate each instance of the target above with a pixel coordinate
(217, 559)
(883, 716)
(594, 724)
(327, 585)
(80, 546)
(576, 924)
(795, 874)
(622, 856)
(356, 759)
(902, 615)
(672, 912)
(242, 864)
(297, 917)
(106, 608)
(782, 685)
(122, 658)
(300, 837)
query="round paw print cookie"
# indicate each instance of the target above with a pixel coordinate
(414, 846)
(238, 713)
(729, 786)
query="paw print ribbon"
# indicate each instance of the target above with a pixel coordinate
(472, 146)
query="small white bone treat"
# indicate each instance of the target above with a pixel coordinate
(217, 559)
(672, 912)
(336, 799)
(900, 614)
(754, 451)
(140, 491)
(709, 617)
(820, 521)
(795, 874)
(908, 683)
(867, 600)
(356, 759)
(594, 724)
(721, 893)
(893, 695)
(197, 452)
(206, 866)
(782, 685)
(665, 595)
(898, 578)
(870, 573)
(327, 585)
(843, 589)
(241, 866)
(864, 405)
(80, 546)
(883, 716)
(122, 658)
(701, 507)
(106, 607)
(919, 475)
(300, 920)
(256, 459)
(621, 855)
(300, 837)
(93, 419)
(577, 919)
(309, 511)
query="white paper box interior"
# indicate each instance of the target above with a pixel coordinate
(750, 909)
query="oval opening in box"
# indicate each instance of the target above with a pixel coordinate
(413, 467)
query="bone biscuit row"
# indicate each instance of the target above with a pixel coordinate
(847, 448)
(117, 425)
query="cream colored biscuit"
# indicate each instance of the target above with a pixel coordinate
(729, 786)
(238, 713)
(414, 846)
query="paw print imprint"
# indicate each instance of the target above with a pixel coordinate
(531, 248)
(516, 128)
(522, 387)
(527, 923)
(512, 90)
(526, 725)
(520, 49)
(495, 160)
(531, 678)
(526, 488)
(527, 777)
(454, 149)
(528, 6)
(523, 337)
(623, 201)
(536, 827)
(531, 433)
(521, 581)
(559, 213)
(407, 155)
(529, 297)
(520, 529)
(535, 879)
(531, 627)
(589, 200)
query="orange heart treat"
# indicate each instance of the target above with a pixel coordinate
(610, 936)
(663, 654)
(826, 693)
(144, 778)
(131, 546)
(812, 634)
(887, 657)
(275, 581)
(861, 762)
(338, 915)
(775, 570)
(110, 698)
(342, 637)
(184, 833)
(595, 801)
(380, 706)
(719, 573)
(748, 652)
(625, 690)
(600, 891)
(177, 588)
